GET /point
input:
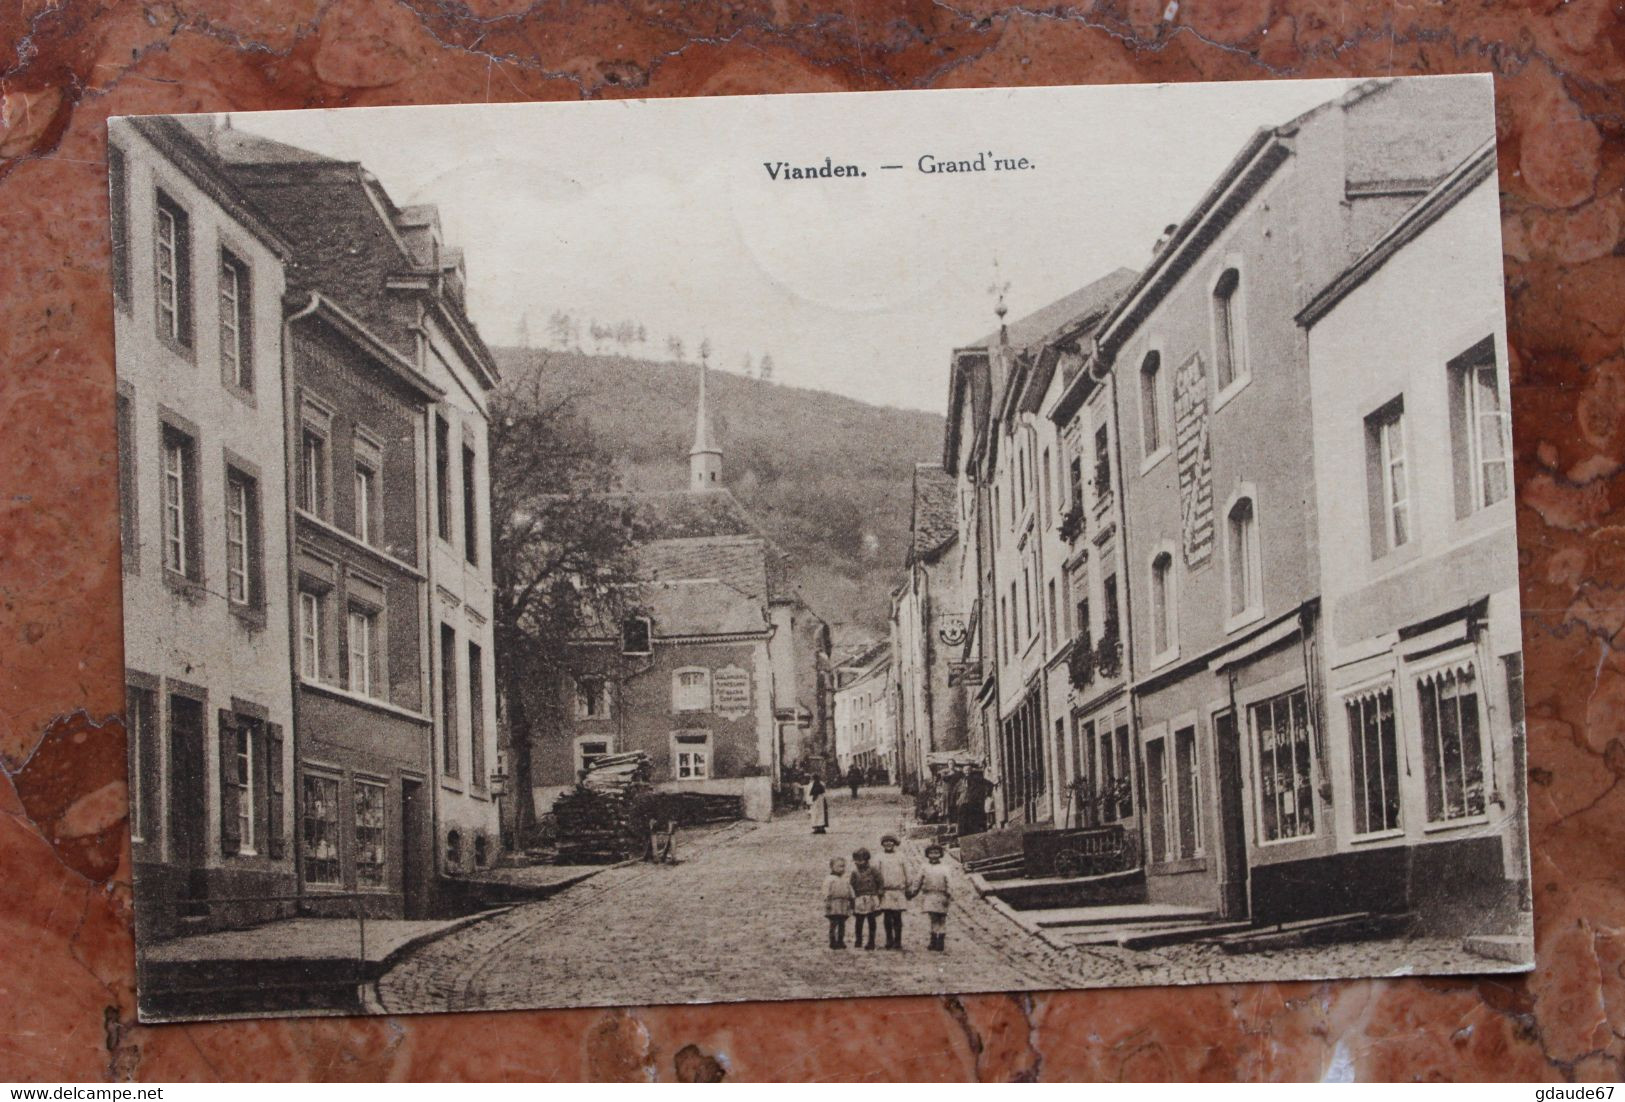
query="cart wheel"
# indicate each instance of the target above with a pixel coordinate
(1069, 862)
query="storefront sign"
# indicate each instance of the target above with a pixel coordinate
(730, 692)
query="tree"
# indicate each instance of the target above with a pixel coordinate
(560, 557)
(764, 370)
(559, 328)
(747, 365)
(705, 348)
(674, 347)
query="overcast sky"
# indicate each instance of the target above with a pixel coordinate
(660, 211)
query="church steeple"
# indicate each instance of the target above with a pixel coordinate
(705, 457)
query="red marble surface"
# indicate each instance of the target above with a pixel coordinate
(66, 1008)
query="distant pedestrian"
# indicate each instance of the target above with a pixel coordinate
(837, 902)
(973, 804)
(818, 805)
(866, 888)
(932, 888)
(854, 777)
(894, 883)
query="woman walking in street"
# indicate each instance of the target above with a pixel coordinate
(818, 803)
(854, 777)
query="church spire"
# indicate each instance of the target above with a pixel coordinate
(705, 457)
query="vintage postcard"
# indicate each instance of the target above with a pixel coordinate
(829, 545)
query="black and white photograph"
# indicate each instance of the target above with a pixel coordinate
(811, 546)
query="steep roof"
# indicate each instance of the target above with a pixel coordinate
(934, 524)
(1090, 304)
(700, 607)
(739, 562)
(352, 243)
(683, 514)
(1043, 323)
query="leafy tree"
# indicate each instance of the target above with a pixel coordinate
(560, 555)
(674, 347)
(559, 328)
(765, 370)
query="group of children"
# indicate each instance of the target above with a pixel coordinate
(884, 887)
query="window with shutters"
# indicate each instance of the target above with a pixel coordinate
(319, 806)
(241, 747)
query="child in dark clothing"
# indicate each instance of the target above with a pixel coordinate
(866, 888)
(837, 902)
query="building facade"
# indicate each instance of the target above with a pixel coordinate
(360, 595)
(935, 709)
(198, 276)
(1221, 540)
(1419, 588)
(387, 270)
(1295, 691)
(715, 662)
(865, 712)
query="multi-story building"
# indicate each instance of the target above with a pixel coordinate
(198, 277)
(1085, 597)
(708, 666)
(865, 703)
(929, 611)
(1221, 538)
(968, 400)
(397, 724)
(1419, 572)
(1027, 590)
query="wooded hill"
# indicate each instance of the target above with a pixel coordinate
(827, 477)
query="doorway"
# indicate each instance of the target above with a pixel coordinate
(1232, 817)
(414, 901)
(187, 799)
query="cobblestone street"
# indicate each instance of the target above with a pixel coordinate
(741, 918)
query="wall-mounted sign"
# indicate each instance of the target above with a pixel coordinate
(1195, 462)
(730, 692)
(951, 629)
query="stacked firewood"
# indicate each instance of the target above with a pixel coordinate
(594, 821)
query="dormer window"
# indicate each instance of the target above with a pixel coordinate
(637, 635)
